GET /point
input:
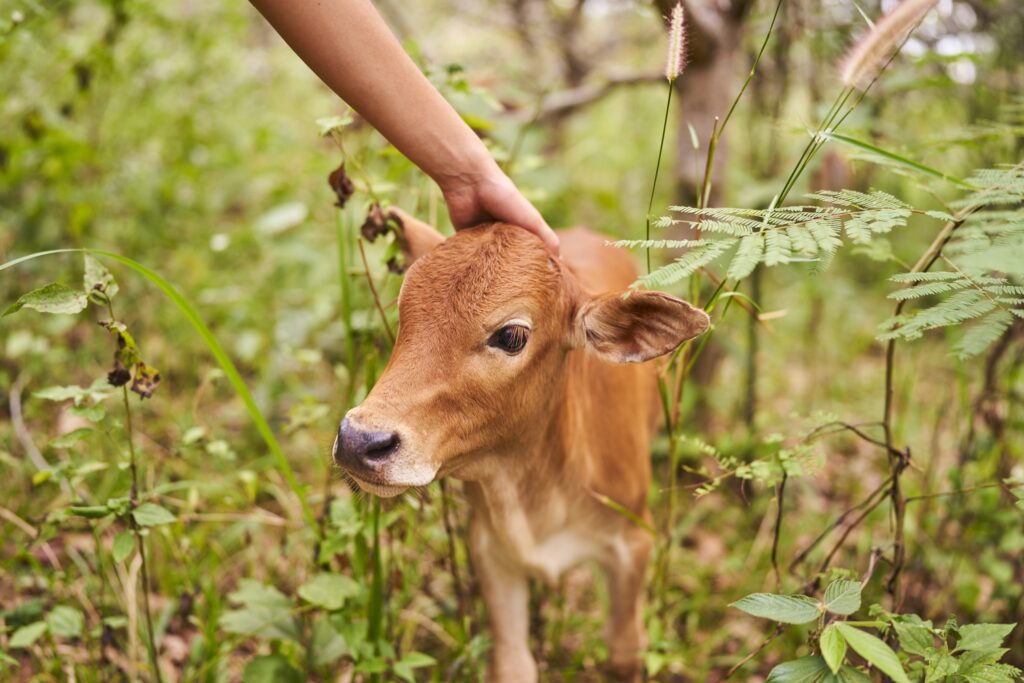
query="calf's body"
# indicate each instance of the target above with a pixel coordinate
(524, 376)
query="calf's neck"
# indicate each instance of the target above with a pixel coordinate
(525, 375)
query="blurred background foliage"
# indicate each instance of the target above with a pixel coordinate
(185, 136)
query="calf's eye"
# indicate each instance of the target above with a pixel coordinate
(511, 338)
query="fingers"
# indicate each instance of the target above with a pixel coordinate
(511, 206)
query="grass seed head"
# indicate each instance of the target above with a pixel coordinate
(675, 60)
(863, 63)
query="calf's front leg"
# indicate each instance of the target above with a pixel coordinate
(506, 596)
(625, 567)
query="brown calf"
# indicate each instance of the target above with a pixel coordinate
(523, 376)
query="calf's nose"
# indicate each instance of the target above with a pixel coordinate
(363, 447)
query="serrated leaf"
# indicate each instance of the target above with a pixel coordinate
(915, 639)
(65, 622)
(842, 597)
(328, 590)
(26, 636)
(803, 670)
(875, 651)
(982, 636)
(151, 514)
(787, 609)
(53, 298)
(939, 667)
(124, 542)
(833, 647)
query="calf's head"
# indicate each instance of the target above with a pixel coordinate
(487, 318)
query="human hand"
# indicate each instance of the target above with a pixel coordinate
(494, 197)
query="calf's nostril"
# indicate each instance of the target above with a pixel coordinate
(359, 445)
(381, 445)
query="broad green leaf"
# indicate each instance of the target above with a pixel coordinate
(328, 591)
(26, 636)
(151, 514)
(271, 669)
(53, 298)
(939, 667)
(983, 636)
(65, 622)
(787, 609)
(266, 612)
(803, 670)
(833, 647)
(122, 548)
(850, 675)
(253, 593)
(327, 645)
(875, 651)
(98, 279)
(842, 597)
(915, 639)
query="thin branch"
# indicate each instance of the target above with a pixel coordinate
(569, 101)
(373, 291)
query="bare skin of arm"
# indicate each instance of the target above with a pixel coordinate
(351, 49)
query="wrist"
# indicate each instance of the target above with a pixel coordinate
(469, 169)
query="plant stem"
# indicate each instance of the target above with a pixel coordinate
(657, 168)
(133, 501)
(373, 291)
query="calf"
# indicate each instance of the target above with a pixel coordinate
(524, 376)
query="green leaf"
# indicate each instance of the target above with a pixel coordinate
(26, 636)
(418, 660)
(850, 675)
(939, 667)
(53, 298)
(833, 647)
(123, 544)
(803, 670)
(98, 279)
(71, 438)
(328, 591)
(842, 597)
(271, 669)
(875, 651)
(788, 609)
(327, 645)
(983, 636)
(915, 639)
(90, 511)
(65, 622)
(151, 514)
(96, 392)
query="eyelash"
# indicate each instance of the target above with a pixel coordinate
(511, 339)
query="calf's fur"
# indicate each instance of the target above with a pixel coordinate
(541, 438)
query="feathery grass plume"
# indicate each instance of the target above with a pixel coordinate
(869, 55)
(675, 60)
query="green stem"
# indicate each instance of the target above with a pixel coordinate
(657, 168)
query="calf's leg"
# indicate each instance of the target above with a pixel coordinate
(625, 566)
(506, 596)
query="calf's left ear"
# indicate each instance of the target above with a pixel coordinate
(638, 327)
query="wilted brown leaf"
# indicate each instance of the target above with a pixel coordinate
(341, 184)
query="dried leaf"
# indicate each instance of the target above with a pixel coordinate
(145, 381)
(341, 184)
(376, 223)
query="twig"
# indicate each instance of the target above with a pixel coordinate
(839, 520)
(373, 291)
(970, 489)
(780, 496)
(765, 643)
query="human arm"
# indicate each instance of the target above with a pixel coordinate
(351, 49)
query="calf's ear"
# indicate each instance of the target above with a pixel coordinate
(415, 237)
(639, 326)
